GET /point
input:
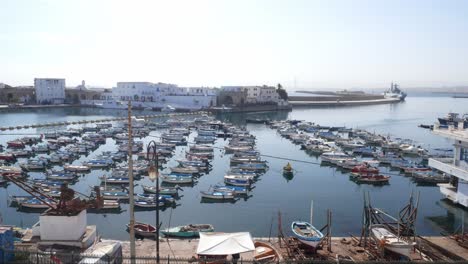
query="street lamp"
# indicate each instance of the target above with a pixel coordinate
(153, 173)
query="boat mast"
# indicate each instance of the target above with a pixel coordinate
(130, 176)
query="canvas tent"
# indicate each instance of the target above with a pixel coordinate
(224, 243)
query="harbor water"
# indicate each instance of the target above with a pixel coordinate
(328, 187)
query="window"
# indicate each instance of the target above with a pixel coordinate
(464, 154)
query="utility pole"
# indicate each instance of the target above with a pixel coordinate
(130, 176)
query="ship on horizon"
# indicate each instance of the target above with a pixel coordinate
(395, 92)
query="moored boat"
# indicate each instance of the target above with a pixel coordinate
(144, 230)
(265, 252)
(191, 230)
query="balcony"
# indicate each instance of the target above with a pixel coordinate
(449, 191)
(458, 169)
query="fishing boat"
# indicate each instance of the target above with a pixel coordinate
(35, 203)
(231, 149)
(227, 188)
(364, 169)
(331, 157)
(186, 231)
(162, 190)
(10, 171)
(115, 195)
(265, 252)
(34, 164)
(166, 198)
(7, 157)
(144, 230)
(371, 179)
(307, 233)
(76, 168)
(238, 180)
(60, 175)
(15, 144)
(99, 163)
(184, 170)
(148, 204)
(216, 195)
(258, 167)
(390, 241)
(115, 180)
(176, 179)
(110, 204)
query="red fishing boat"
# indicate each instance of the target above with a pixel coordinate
(7, 157)
(15, 144)
(364, 170)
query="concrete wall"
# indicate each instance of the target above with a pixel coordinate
(69, 228)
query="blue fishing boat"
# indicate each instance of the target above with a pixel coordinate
(234, 189)
(306, 233)
(216, 195)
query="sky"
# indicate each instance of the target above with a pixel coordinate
(301, 44)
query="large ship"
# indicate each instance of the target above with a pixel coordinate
(395, 92)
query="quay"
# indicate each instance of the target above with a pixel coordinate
(438, 247)
(340, 102)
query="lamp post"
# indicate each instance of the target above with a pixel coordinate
(153, 173)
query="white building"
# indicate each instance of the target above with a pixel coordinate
(261, 94)
(456, 167)
(49, 91)
(160, 95)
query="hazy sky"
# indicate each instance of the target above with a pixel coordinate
(321, 44)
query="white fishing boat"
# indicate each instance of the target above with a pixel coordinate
(391, 241)
(76, 168)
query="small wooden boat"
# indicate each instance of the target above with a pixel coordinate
(185, 170)
(364, 169)
(10, 171)
(76, 168)
(110, 204)
(144, 230)
(372, 179)
(176, 179)
(288, 168)
(264, 252)
(115, 195)
(238, 180)
(148, 204)
(162, 190)
(307, 233)
(34, 203)
(234, 189)
(191, 230)
(385, 238)
(15, 144)
(115, 180)
(217, 195)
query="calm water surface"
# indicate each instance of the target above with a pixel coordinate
(328, 187)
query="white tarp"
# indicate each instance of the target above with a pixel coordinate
(224, 243)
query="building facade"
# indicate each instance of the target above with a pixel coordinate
(159, 95)
(456, 167)
(261, 95)
(49, 91)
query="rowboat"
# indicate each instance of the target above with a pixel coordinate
(10, 171)
(162, 190)
(265, 252)
(144, 230)
(217, 195)
(234, 189)
(307, 233)
(114, 195)
(110, 204)
(148, 204)
(186, 170)
(371, 179)
(191, 230)
(115, 180)
(385, 238)
(60, 176)
(176, 179)
(15, 144)
(34, 203)
(238, 180)
(76, 168)
(260, 167)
